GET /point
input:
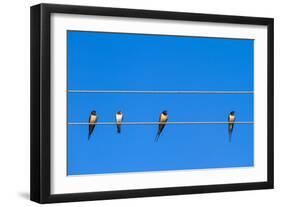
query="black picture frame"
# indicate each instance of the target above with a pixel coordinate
(41, 97)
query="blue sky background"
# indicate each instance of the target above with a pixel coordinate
(107, 61)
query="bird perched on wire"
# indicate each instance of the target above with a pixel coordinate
(163, 119)
(92, 123)
(119, 119)
(231, 120)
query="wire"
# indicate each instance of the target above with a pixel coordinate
(160, 92)
(151, 123)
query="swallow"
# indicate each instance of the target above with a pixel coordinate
(231, 120)
(163, 119)
(119, 119)
(92, 120)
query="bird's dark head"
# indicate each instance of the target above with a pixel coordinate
(165, 112)
(93, 112)
(119, 112)
(232, 113)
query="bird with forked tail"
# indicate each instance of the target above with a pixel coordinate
(231, 120)
(163, 120)
(119, 119)
(92, 120)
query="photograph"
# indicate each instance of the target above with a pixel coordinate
(194, 85)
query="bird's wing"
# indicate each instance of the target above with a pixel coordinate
(159, 126)
(229, 118)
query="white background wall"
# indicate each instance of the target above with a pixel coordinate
(14, 101)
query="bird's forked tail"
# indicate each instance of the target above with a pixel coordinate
(230, 130)
(157, 137)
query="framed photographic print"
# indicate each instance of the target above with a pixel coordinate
(133, 103)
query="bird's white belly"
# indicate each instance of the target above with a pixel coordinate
(93, 119)
(163, 118)
(231, 118)
(119, 117)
